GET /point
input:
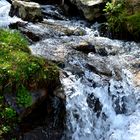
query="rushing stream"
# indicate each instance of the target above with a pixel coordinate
(102, 100)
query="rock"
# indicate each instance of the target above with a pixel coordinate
(59, 92)
(28, 11)
(99, 65)
(133, 6)
(91, 9)
(37, 97)
(53, 12)
(85, 47)
(46, 29)
(137, 79)
(94, 103)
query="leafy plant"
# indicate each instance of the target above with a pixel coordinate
(115, 15)
(24, 99)
(19, 71)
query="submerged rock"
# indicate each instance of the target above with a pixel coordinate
(28, 11)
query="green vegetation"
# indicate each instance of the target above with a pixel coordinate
(24, 99)
(115, 15)
(121, 21)
(133, 23)
(20, 73)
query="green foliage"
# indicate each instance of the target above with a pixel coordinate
(115, 15)
(14, 40)
(17, 66)
(7, 118)
(9, 113)
(19, 71)
(24, 99)
(133, 23)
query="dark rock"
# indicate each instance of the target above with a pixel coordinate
(91, 9)
(37, 98)
(94, 103)
(28, 11)
(85, 47)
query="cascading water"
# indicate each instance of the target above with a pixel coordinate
(100, 105)
(5, 19)
(102, 102)
(100, 109)
(91, 110)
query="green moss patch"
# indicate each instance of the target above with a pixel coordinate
(20, 73)
(133, 23)
(121, 23)
(17, 65)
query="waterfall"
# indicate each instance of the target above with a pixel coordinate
(102, 102)
(93, 113)
(5, 19)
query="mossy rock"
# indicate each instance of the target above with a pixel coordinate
(19, 69)
(133, 24)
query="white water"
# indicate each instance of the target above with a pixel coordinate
(83, 121)
(5, 19)
(117, 116)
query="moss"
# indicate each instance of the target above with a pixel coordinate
(17, 65)
(20, 72)
(121, 23)
(133, 24)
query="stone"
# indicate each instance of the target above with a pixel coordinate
(28, 11)
(91, 9)
(37, 96)
(84, 46)
(137, 79)
(132, 6)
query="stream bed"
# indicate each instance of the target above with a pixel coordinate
(100, 77)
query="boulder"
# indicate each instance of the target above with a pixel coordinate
(132, 6)
(28, 11)
(91, 9)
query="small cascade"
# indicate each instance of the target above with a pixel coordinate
(5, 19)
(98, 109)
(102, 101)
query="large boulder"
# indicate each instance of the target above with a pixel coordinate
(91, 9)
(28, 11)
(133, 6)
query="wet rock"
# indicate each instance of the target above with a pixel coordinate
(53, 12)
(38, 97)
(94, 104)
(99, 65)
(28, 11)
(85, 47)
(105, 46)
(137, 79)
(133, 6)
(41, 134)
(47, 121)
(46, 29)
(91, 8)
(51, 49)
(59, 92)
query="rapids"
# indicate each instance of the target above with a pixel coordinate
(102, 100)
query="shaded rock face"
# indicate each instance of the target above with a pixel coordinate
(46, 122)
(28, 11)
(133, 6)
(48, 1)
(91, 9)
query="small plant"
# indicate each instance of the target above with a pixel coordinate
(115, 15)
(9, 113)
(24, 99)
(20, 72)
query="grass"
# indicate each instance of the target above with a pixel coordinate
(133, 23)
(20, 73)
